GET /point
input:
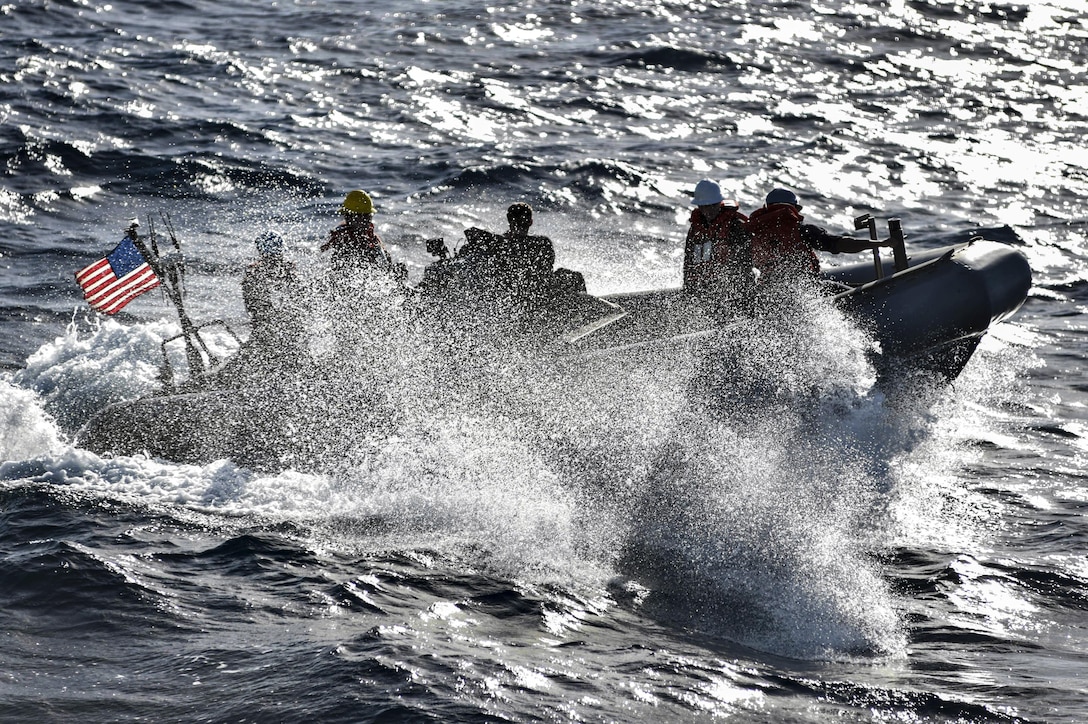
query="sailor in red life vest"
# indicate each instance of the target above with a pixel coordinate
(717, 250)
(354, 243)
(784, 247)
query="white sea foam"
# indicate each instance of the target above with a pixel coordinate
(740, 490)
(756, 520)
(539, 474)
(26, 429)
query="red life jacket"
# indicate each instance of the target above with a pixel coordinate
(709, 246)
(355, 243)
(777, 247)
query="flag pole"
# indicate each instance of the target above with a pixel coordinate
(167, 274)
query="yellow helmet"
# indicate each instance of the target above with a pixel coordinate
(357, 202)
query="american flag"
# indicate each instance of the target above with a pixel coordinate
(111, 283)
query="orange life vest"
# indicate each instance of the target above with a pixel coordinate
(711, 247)
(777, 247)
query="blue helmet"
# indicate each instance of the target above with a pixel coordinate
(782, 196)
(269, 244)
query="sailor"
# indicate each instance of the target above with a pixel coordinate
(355, 244)
(528, 258)
(270, 292)
(515, 264)
(717, 250)
(785, 247)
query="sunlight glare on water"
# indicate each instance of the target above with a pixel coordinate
(659, 535)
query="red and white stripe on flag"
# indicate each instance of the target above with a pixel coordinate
(111, 283)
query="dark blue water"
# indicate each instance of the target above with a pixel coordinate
(493, 562)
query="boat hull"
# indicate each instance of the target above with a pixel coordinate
(194, 427)
(932, 316)
(928, 317)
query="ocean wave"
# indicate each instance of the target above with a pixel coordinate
(683, 59)
(482, 564)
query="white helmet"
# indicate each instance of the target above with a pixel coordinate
(707, 192)
(269, 244)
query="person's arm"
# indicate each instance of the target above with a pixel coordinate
(334, 238)
(255, 293)
(821, 240)
(688, 268)
(382, 253)
(249, 291)
(740, 242)
(547, 255)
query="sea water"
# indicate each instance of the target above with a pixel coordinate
(668, 538)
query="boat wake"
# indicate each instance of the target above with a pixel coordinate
(758, 517)
(739, 493)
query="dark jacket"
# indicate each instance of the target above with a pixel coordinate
(510, 263)
(528, 259)
(270, 292)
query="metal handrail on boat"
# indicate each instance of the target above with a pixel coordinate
(895, 235)
(166, 369)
